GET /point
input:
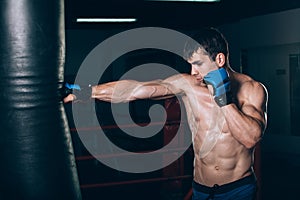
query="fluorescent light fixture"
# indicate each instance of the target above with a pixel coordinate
(188, 0)
(100, 20)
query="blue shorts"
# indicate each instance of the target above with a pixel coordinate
(242, 189)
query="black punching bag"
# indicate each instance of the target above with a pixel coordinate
(36, 153)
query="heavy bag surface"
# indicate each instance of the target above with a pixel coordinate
(36, 153)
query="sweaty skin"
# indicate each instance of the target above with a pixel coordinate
(231, 158)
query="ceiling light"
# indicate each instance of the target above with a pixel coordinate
(99, 20)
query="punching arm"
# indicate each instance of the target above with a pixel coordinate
(126, 90)
(129, 90)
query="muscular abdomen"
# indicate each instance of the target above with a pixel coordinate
(228, 161)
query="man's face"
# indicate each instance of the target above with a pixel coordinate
(201, 64)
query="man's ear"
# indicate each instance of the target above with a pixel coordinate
(220, 59)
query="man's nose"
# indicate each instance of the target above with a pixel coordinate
(194, 71)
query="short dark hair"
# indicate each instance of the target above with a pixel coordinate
(209, 39)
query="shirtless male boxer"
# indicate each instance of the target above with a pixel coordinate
(226, 113)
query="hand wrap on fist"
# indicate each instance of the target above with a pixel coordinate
(81, 93)
(220, 82)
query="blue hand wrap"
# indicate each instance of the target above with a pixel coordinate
(82, 93)
(221, 84)
(72, 86)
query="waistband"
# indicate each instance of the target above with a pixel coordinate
(218, 189)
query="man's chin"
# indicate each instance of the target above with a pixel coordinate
(203, 84)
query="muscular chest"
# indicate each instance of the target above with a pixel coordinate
(201, 108)
(204, 116)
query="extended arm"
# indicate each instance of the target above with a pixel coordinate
(129, 90)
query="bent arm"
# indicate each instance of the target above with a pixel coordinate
(247, 123)
(129, 90)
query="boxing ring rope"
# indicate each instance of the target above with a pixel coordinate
(107, 127)
(187, 196)
(86, 130)
(149, 180)
(81, 158)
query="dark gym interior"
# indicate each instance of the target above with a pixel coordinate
(264, 42)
